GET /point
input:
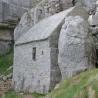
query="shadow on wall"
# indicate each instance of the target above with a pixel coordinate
(96, 58)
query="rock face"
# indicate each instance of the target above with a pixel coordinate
(35, 67)
(95, 16)
(66, 3)
(26, 22)
(79, 11)
(6, 39)
(10, 9)
(75, 47)
(88, 4)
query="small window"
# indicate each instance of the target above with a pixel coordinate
(73, 2)
(34, 53)
(42, 52)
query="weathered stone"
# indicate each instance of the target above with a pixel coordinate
(10, 13)
(9, 76)
(6, 38)
(79, 11)
(88, 4)
(95, 17)
(76, 50)
(67, 3)
(14, 8)
(75, 47)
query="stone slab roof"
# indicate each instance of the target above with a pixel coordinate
(44, 28)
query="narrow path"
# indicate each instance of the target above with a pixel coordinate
(4, 86)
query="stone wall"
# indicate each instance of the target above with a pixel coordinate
(30, 75)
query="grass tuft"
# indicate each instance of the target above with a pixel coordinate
(5, 62)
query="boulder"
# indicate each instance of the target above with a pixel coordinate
(76, 50)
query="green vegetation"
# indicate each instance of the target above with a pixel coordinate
(11, 94)
(38, 95)
(5, 62)
(81, 86)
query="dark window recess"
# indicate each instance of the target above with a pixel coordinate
(42, 52)
(93, 25)
(34, 53)
(73, 2)
(96, 58)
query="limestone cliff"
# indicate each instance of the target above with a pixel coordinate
(10, 13)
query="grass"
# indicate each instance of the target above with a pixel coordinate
(12, 94)
(5, 62)
(78, 87)
(38, 95)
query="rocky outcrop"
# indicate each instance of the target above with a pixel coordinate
(10, 13)
(6, 38)
(76, 50)
(95, 16)
(12, 9)
(89, 5)
(79, 10)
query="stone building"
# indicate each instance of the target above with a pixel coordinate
(48, 50)
(36, 56)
